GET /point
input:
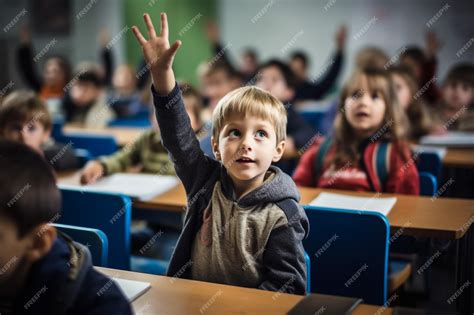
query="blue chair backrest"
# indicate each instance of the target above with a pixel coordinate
(57, 130)
(96, 144)
(428, 184)
(430, 162)
(313, 117)
(110, 213)
(348, 252)
(308, 272)
(95, 240)
(83, 156)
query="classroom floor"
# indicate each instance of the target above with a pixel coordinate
(441, 284)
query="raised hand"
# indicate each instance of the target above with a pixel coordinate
(433, 44)
(341, 36)
(158, 54)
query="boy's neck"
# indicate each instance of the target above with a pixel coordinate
(243, 187)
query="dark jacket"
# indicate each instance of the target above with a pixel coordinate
(283, 256)
(60, 284)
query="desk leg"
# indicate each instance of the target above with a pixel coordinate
(464, 268)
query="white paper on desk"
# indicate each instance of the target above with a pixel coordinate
(131, 288)
(440, 151)
(140, 186)
(339, 201)
(450, 139)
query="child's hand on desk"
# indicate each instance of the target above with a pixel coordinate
(91, 172)
(158, 54)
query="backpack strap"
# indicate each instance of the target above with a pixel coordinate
(319, 158)
(382, 161)
(379, 165)
(81, 262)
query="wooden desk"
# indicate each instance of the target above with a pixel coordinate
(179, 296)
(122, 135)
(443, 218)
(459, 158)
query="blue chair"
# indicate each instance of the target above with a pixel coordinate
(138, 122)
(83, 156)
(110, 213)
(94, 239)
(344, 245)
(96, 144)
(57, 129)
(428, 184)
(156, 249)
(308, 273)
(313, 117)
(430, 162)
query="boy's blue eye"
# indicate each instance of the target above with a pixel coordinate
(234, 133)
(261, 134)
(375, 96)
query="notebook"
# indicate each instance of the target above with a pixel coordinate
(131, 288)
(339, 201)
(140, 186)
(450, 139)
(325, 304)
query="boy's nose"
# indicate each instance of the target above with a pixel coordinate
(246, 144)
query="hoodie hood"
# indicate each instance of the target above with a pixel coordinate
(276, 187)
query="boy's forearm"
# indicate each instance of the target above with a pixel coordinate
(175, 127)
(163, 81)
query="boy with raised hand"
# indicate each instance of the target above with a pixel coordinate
(243, 226)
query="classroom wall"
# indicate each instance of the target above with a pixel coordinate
(81, 44)
(277, 27)
(187, 19)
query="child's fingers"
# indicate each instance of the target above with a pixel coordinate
(164, 25)
(138, 35)
(174, 48)
(149, 25)
(85, 178)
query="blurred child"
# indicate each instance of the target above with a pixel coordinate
(367, 152)
(317, 88)
(124, 97)
(406, 87)
(423, 65)
(147, 152)
(260, 245)
(248, 64)
(371, 57)
(25, 118)
(218, 79)
(56, 72)
(43, 270)
(456, 110)
(278, 79)
(85, 103)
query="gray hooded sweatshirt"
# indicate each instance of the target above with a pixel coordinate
(254, 241)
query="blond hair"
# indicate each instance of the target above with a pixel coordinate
(250, 100)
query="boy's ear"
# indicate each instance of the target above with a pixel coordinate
(215, 149)
(41, 240)
(280, 148)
